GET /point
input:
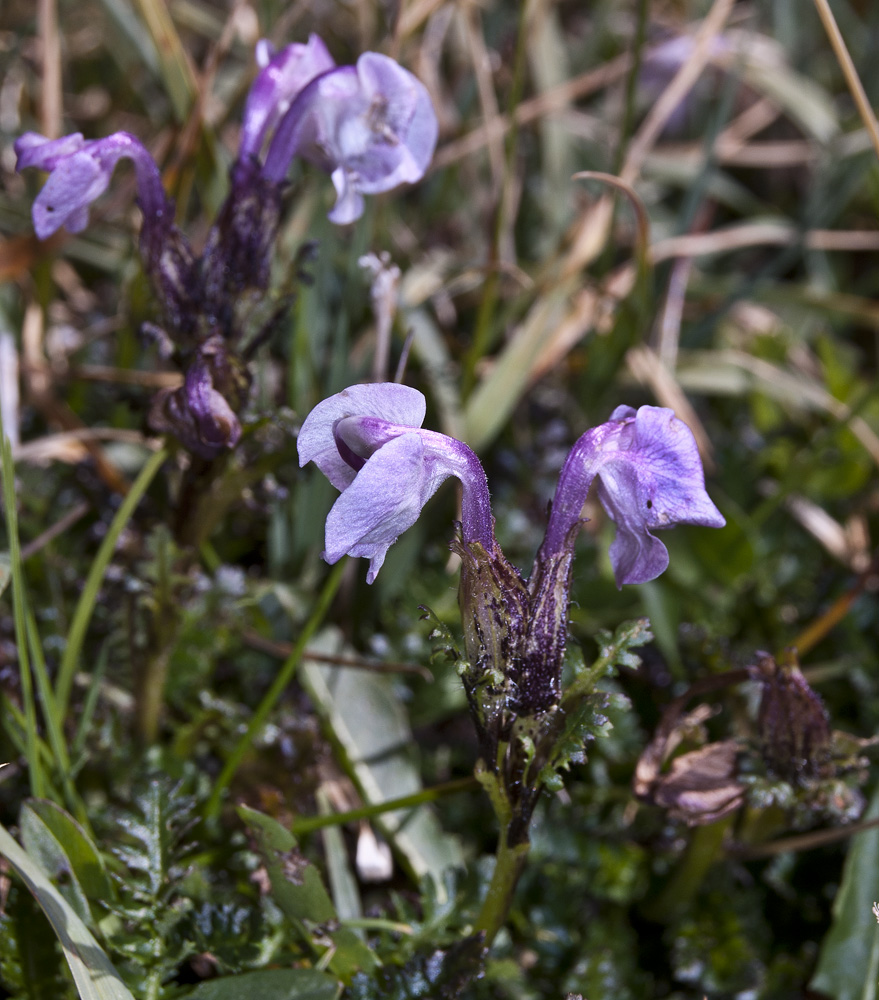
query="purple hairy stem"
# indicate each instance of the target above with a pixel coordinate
(574, 483)
(477, 519)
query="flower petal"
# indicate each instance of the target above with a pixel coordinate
(372, 127)
(650, 477)
(397, 404)
(380, 504)
(277, 85)
(80, 172)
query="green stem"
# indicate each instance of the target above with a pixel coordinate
(705, 847)
(508, 867)
(151, 695)
(285, 675)
(151, 682)
(312, 823)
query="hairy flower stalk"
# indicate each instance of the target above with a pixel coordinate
(369, 442)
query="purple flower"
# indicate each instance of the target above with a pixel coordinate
(282, 76)
(372, 126)
(200, 412)
(80, 171)
(649, 477)
(368, 441)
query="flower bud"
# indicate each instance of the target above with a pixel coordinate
(792, 722)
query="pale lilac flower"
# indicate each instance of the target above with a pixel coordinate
(368, 441)
(649, 477)
(283, 75)
(371, 126)
(80, 172)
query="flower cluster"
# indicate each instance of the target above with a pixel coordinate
(369, 442)
(371, 126)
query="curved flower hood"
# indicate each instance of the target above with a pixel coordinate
(649, 477)
(368, 441)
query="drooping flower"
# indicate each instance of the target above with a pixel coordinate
(368, 441)
(371, 126)
(649, 477)
(80, 172)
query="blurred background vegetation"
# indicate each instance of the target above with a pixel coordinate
(530, 305)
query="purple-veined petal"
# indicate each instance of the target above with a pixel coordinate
(650, 477)
(397, 404)
(368, 441)
(34, 150)
(653, 480)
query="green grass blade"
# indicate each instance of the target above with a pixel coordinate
(53, 722)
(93, 973)
(35, 768)
(89, 706)
(86, 605)
(285, 675)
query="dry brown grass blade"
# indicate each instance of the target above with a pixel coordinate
(825, 529)
(758, 116)
(761, 155)
(413, 15)
(752, 234)
(40, 390)
(642, 219)
(667, 334)
(482, 71)
(681, 84)
(848, 68)
(755, 374)
(868, 579)
(76, 445)
(551, 102)
(51, 105)
(179, 77)
(562, 338)
(126, 376)
(53, 531)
